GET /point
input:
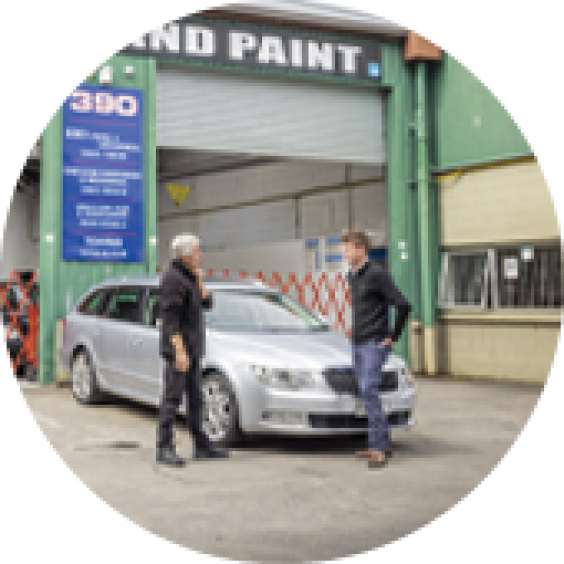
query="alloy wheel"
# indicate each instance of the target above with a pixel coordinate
(81, 377)
(217, 411)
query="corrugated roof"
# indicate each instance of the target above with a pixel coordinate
(316, 14)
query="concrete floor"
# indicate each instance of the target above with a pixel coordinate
(289, 499)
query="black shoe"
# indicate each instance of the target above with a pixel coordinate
(210, 451)
(167, 455)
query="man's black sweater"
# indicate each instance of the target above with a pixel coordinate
(182, 308)
(372, 292)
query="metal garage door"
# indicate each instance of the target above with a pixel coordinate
(269, 116)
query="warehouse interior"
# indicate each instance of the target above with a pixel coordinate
(273, 215)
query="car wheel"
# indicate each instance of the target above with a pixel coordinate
(220, 411)
(84, 384)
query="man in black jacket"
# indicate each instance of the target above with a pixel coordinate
(372, 292)
(183, 298)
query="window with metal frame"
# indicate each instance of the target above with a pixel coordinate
(529, 277)
(465, 279)
(524, 277)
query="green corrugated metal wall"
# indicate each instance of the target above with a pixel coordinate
(471, 124)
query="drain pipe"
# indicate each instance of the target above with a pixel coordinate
(428, 312)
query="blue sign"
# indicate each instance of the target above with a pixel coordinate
(102, 205)
(374, 70)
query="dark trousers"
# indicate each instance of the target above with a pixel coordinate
(175, 384)
(369, 358)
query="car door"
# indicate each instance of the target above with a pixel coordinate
(85, 326)
(145, 361)
(121, 316)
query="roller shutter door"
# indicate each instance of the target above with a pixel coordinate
(236, 113)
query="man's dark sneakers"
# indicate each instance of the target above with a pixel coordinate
(167, 455)
(210, 451)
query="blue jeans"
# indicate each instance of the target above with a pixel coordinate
(369, 358)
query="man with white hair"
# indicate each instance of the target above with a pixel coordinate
(183, 298)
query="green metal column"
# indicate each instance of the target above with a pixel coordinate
(49, 206)
(151, 233)
(427, 275)
(402, 246)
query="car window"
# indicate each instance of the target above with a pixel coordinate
(124, 304)
(151, 309)
(93, 303)
(260, 311)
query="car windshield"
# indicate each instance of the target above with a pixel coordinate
(260, 311)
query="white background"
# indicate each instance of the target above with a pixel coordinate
(48, 47)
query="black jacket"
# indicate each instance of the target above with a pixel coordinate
(372, 292)
(182, 311)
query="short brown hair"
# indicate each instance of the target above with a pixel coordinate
(357, 238)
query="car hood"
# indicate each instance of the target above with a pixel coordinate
(305, 351)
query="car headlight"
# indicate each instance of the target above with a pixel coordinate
(407, 378)
(283, 378)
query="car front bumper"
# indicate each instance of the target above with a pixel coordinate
(320, 412)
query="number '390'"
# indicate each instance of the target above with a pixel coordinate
(104, 103)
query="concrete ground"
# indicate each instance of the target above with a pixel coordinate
(289, 499)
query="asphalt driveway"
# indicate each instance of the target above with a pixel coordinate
(289, 499)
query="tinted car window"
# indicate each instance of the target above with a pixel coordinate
(92, 304)
(124, 304)
(151, 310)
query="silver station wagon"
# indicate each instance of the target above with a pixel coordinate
(271, 366)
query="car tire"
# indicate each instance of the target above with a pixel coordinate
(220, 410)
(84, 382)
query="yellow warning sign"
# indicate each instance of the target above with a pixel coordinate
(177, 193)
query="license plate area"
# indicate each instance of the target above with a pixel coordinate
(388, 405)
(359, 409)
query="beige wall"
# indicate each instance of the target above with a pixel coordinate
(483, 208)
(498, 205)
(506, 346)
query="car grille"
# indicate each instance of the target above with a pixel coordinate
(324, 421)
(343, 381)
(318, 421)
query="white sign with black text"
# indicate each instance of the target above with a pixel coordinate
(233, 44)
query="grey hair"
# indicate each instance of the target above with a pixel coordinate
(183, 245)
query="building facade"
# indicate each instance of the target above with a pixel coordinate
(500, 295)
(268, 133)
